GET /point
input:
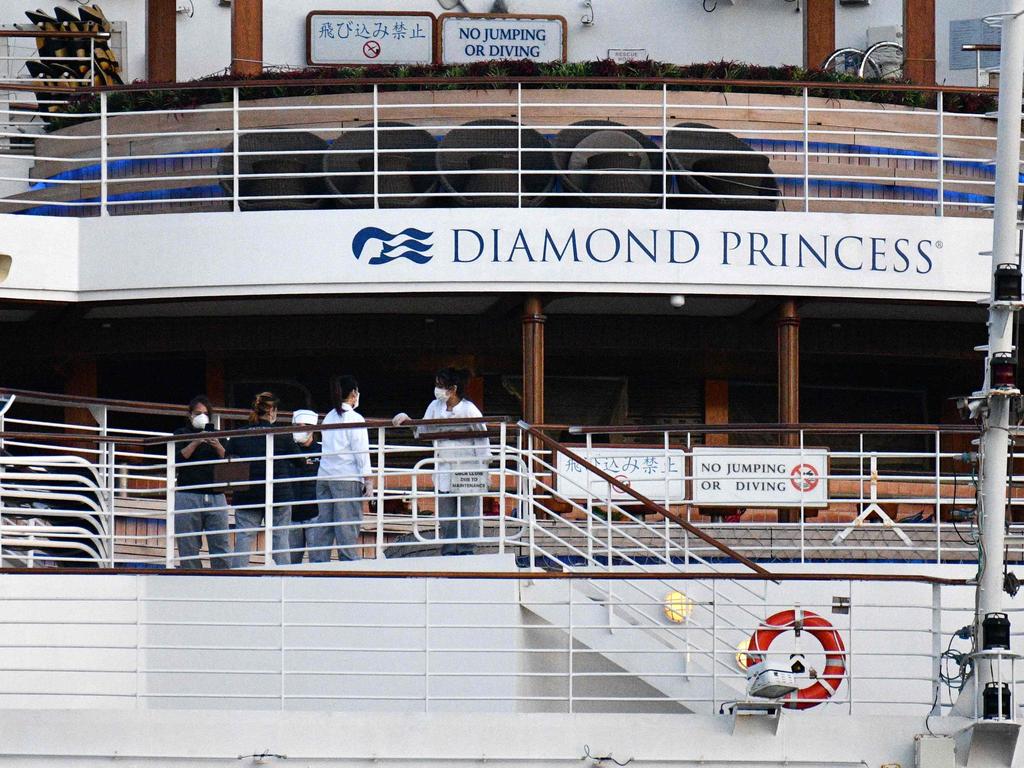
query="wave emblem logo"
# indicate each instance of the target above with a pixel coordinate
(408, 244)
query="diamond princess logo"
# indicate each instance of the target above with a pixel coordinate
(408, 244)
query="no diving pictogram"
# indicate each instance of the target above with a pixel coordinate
(371, 49)
(804, 477)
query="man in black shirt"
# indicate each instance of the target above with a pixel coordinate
(198, 508)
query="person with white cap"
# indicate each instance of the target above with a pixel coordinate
(305, 466)
(344, 479)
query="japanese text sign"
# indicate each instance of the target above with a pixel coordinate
(771, 477)
(652, 472)
(358, 37)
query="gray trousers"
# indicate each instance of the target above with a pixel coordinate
(193, 516)
(298, 540)
(460, 519)
(338, 521)
(252, 517)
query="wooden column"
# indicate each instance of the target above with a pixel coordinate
(919, 41)
(216, 388)
(533, 359)
(161, 41)
(819, 31)
(716, 408)
(246, 37)
(82, 380)
(789, 366)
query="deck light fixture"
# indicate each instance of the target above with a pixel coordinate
(1007, 282)
(995, 702)
(1003, 370)
(995, 632)
(678, 607)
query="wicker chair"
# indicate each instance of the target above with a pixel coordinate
(691, 151)
(260, 174)
(591, 146)
(405, 165)
(492, 147)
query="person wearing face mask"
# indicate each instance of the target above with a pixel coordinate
(460, 463)
(250, 499)
(306, 466)
(344, 479)
(198, 509)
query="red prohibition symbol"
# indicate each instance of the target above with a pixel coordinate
(804, 477)
(371, 49)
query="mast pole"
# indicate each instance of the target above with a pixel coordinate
(994, 441)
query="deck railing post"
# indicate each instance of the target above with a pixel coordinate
(169, 525)
(938, 497)
(268, 501)
(502, 488)
(104, 192)
(376, 155)
(936, 643)
(664, 146)
(519, 145)
(941, 117)
(807, 152)
(379, 494)
(234, 149)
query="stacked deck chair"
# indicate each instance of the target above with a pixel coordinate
(721, 170)
(479, 164)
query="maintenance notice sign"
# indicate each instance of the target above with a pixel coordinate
(760, 477)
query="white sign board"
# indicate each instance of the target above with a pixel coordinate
(470, 250)
(760, 477)
(357, 37)
(652, 472)
(466, 38)
(624, 55)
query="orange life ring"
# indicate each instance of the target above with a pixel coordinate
(828, 682)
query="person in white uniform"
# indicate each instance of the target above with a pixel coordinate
(344, 478)
(460, 464)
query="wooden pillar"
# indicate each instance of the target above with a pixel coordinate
(919, 41)
(789, 366)
(246, 37)
(216, 388)
(716, 409)
(161, 41)
(82, 380)
(533, 360)
(819, 31)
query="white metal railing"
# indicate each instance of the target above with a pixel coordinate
(892, 494)
(500, 644)
(383, 149)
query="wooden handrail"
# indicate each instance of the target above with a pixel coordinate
(760, 428)
(644, 501)
(447, 82)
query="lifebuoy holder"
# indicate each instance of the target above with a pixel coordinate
(827, 683)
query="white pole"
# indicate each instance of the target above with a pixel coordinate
(994, 439)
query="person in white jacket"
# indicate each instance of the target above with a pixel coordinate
(344, 478)
(460, 469)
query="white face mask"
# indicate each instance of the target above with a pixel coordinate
(356, 403)
(200, 420)
(301, 437)
(441, 394)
